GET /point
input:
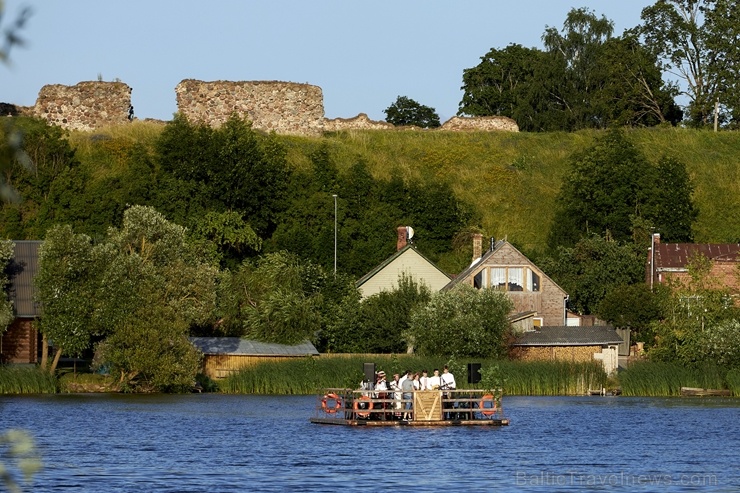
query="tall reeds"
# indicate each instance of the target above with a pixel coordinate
(308, 376)
(21, 380)
(654, 378)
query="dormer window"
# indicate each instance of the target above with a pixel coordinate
(511, 279)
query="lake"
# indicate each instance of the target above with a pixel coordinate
(229, 443)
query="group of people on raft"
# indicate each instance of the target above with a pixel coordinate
(401, 389)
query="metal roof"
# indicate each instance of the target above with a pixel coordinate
(22, 270)
(247, 347)
(570, 336)
(677, 255)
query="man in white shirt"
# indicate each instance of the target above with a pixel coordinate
(448, 383)
(434, 381)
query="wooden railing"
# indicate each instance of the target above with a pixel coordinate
(426, 405)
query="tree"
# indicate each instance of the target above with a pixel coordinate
(696, 41)
(631, 306)
(67, 283)
(405, 111)
(509, 82)
(462, 322)
(608, 185)
(6, 307)
(674, 212)
(698, 325)
(585, 78)
(592, 268)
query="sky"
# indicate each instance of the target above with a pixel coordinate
(363, 55)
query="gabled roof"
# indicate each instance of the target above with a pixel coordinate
(22, 270)
(484, 259)
(247, 347)
(678, 255)
(390, 260)
(570, 336)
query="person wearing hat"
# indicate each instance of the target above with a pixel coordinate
(381, 386)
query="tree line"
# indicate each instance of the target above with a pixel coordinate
(586, 77)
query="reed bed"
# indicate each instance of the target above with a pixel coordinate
(20, 380)
(658, 379)
(309, 376)
(733, 381)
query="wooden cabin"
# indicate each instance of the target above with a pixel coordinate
(577, 344)
(223, 356)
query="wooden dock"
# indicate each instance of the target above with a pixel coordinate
(698, 392)
(346, 407)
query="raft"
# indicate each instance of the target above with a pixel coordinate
(347, 407)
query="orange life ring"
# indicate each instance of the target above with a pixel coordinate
(360, 411)
(337, 403)
(487, 411)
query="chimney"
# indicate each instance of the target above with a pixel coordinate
(656, 238)
(477, 245)
(401, 242)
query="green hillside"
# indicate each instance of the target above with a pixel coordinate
(511, 179)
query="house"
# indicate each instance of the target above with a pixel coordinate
(670, 261)
(505, 268)
(223, 356)
(406, 261)
(20, 342)
(570, 343)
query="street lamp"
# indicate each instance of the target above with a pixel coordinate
(335, 234)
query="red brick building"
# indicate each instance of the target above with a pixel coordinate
(671, 260)
(20, 342)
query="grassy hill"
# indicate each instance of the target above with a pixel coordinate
(511, 179)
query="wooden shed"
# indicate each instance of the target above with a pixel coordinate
(570, 343)
(223, 356)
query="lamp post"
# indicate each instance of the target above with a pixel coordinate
(335, 234)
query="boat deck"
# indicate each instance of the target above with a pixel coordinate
(347, 407)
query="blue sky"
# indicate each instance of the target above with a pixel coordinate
(362, 54)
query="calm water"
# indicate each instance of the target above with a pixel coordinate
(217, 443)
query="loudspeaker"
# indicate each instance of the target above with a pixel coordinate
(369, 370)
(473, 372)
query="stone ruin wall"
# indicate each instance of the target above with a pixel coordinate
(283, 107)
(85, 106)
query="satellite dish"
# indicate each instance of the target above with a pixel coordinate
(409, 232)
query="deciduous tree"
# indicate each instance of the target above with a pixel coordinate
(405, 111)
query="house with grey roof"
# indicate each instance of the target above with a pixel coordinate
(20, 342)
(570, 343)
(223, 356)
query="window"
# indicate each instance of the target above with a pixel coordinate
(498, 278)
(510, 279)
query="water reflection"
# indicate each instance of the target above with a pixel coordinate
(262, 443)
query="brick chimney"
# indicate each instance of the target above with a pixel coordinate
(402, 240)
(477, 245)
(656, 238)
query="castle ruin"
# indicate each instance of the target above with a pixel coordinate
(285, 108)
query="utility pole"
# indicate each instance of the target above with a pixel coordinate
(335, 234)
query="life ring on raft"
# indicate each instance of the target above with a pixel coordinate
(487, 411)
(361, 412)
(328, 398)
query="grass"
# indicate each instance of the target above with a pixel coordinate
(26, 380)
(508, 178)
(309, 376)
(658, 379)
